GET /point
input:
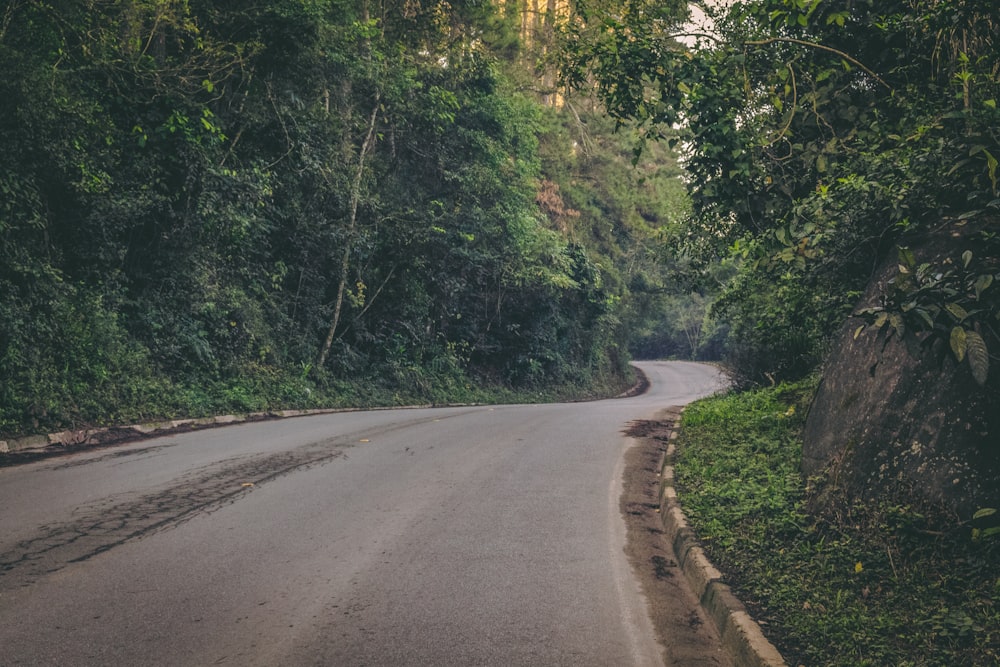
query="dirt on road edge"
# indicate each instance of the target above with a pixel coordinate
(689, 637)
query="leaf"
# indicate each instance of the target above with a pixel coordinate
(925, 316)
(896, 320)
(982, 283)
(956, 311)
(906, 257)
(857, 332)
(959, 341)
(966, 258)
(984, 512)
(991, 165)
(979, 357)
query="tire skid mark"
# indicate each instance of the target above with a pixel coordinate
(99, 527)
(105, 524)
(120, 454)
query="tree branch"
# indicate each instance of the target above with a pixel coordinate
(821, 47)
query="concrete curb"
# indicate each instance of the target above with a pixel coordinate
(78, 439)
(82, 438)
(741, 635)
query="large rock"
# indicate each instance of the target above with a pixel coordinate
(904, 421)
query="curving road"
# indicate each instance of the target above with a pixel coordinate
(453, 536)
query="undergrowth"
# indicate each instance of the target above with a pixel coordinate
(146, 397)
(833, 581)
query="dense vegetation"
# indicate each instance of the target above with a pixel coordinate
(208, 206)
(842, 159)
(821, 135)
(847, 582)
(213, 206)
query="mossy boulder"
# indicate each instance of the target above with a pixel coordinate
(898, 418)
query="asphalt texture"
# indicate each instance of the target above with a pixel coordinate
(454, 536)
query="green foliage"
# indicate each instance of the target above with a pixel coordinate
(819, 134)
(777, 326)
(68, 361)
(851, 584)
(198, 196)
(950, 301)
(627, 213)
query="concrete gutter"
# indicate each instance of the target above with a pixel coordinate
(741, 635)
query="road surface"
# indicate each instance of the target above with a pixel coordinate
(451, 536)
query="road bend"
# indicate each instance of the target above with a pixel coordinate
(450, 536)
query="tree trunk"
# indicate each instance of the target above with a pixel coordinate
(352, 224)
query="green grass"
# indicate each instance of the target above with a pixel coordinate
(258, 388)
(834, 581)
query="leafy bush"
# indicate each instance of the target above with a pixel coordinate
(73, 364)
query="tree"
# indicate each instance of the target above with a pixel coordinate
(819, 130)
(841, 149)
(214, 206)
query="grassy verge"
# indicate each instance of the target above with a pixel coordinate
(258, 388)
(832, 581)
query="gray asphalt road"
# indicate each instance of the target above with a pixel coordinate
(457, 536)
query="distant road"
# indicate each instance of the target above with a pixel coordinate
(452, 536)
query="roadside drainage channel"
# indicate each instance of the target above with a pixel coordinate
(741, 635)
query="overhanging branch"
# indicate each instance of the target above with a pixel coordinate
(821, 47)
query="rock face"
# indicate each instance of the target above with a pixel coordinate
(902, 420)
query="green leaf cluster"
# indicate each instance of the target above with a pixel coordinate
(948, 301)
